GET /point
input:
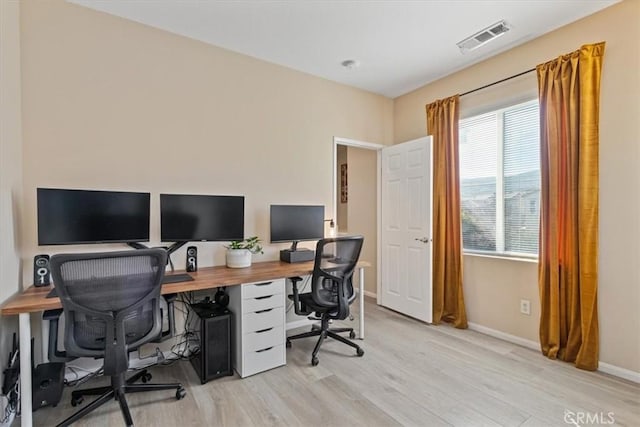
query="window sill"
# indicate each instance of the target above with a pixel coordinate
(499, 256)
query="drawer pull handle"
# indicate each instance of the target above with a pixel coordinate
(263, 330)
(264, 297)
(264, 349)
(264, 311)
(262, 284)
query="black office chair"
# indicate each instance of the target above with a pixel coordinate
(331, 290)
(111, 305)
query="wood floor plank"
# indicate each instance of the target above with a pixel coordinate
(412, 374)
(405, 411)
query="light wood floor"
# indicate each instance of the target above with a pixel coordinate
(412, 374)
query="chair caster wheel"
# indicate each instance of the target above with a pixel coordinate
(181, 393)
(314, 361)
(352, 335)
(288, 344)
(360, 352)
(146, 378)
(75, 401)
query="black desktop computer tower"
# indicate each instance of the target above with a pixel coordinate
(212, 326)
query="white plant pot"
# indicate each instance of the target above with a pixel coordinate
(238, 258)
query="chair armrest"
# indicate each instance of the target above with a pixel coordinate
(297, 307)
(165, 335)
(54, 355)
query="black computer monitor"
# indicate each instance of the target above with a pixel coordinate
(294, 223)
(191, 218)
(68, 217)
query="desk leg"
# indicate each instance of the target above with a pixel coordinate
(25, 370)
(361, 298)
(44, 340)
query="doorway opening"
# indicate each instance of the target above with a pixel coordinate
(356, 197)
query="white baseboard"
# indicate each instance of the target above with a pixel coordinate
(504, 336)
(370, 294)
(616, 371)
(607, 368)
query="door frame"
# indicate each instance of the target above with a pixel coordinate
(368, 146)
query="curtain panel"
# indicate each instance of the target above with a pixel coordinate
(569, 90)
(448, 300)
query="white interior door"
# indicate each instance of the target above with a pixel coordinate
(406, 202)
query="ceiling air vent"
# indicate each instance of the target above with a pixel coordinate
(483, 36)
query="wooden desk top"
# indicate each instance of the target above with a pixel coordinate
(35, 299)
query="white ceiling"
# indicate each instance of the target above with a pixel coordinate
(401, 45)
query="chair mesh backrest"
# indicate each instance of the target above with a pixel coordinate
(97, 289)
(335, 261)
(109, 284)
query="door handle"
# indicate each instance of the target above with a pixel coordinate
(423, 240)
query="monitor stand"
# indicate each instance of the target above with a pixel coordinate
(170, 249)
(294, 254)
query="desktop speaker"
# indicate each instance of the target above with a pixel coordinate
(47, 381)
(212, 324)
(192, 259)
(41, 272)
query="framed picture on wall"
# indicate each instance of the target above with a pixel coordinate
(344, 195)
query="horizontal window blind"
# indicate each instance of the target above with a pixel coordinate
(522, 178)
(500, 180)
(478, 139)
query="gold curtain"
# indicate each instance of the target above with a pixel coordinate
(569, 91)
(448, 301)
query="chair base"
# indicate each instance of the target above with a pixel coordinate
(119, 387)
(322, 333)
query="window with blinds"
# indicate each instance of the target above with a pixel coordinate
(500, 181)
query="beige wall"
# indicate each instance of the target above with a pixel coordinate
(341, 211)
(10, 165)
(112, 104)
(363, 208)
(494, 287)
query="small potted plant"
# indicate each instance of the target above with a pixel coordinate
(239, 252)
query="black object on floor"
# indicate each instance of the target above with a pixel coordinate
(212, 324)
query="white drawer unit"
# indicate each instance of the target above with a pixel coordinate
(250, 305)
(263, 359)
(261, 289)
(259, 326)
(262, 319)
(264, 338)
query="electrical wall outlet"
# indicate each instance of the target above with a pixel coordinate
(525, 307)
